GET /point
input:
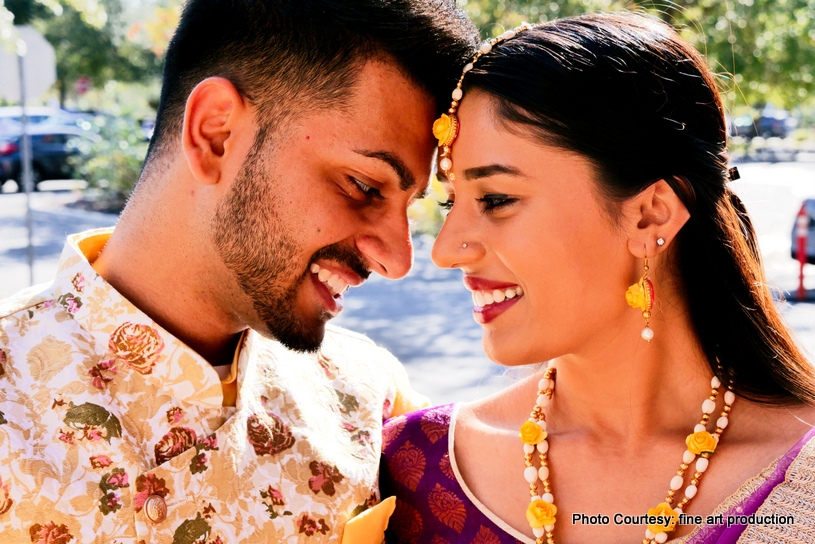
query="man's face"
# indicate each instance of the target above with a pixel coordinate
(320, 205)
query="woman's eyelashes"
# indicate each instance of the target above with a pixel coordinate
(489, 202)
(368, 191)
(495, 201)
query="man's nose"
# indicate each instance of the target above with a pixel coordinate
(387, 247)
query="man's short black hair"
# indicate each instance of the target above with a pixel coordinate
(284, 54)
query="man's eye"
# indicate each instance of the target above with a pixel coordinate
(491, 202)
(365, 189)
(446, 206)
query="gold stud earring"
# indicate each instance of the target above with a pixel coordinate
(641, 295)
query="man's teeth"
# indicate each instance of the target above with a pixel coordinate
(336, 285)
(485, 298)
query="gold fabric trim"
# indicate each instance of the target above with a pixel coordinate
(795, 497)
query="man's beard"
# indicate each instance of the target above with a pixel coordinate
(255, 244)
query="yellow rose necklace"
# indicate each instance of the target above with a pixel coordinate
(542, 510)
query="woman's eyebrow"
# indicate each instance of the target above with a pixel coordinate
(479, 172)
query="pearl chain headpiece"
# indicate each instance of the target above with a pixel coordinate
(445, 129)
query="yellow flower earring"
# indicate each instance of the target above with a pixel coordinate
(641, 295)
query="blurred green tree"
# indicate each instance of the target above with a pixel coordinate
(89, 40)
(764, 49)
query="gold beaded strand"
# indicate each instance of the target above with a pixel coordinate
(541, 511)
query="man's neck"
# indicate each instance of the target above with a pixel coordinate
(160, 261)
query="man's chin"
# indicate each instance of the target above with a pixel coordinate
(297, 336)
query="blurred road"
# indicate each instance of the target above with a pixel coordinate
(425, 319)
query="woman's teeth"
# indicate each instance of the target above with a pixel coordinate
(485, 298)
(335, 284)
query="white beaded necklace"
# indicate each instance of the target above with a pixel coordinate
(542, 510)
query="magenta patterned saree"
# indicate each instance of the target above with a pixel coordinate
(433, 508)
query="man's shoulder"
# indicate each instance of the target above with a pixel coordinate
(340, 334)
(25, 299)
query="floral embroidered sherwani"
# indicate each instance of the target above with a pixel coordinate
(112, 430)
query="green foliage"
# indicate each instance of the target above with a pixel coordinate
(111, 166)
(764, 49)
(89, 40)
(84, 50)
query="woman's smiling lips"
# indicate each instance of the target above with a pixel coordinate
(491, 298)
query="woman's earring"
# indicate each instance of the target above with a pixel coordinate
(641, 295)
(464, 245)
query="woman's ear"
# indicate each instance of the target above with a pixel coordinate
(213, 119)
(655, 214)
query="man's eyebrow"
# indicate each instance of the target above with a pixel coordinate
(490, 170)
(406, 179)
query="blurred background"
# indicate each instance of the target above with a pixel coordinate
(90, 128)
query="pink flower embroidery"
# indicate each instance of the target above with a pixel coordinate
(5, 501)
(146, 485)
(118, 478)
(70, 302)
(100, 461)
(209, 443)
(50, 533)
(78, 282)
(68, 437)
(274, 496)
(309, 525)
(174, 415)
(199, 463)
(268, 434)
(325, 476)
(137, 345)
(92, 433)
(101, 373)
(175, 442)
(110, 502)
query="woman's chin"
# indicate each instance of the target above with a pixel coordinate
(507, 353)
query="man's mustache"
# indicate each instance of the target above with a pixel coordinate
(344, 256)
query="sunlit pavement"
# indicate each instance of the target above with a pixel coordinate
(425, 320)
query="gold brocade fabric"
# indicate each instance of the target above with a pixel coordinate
(795, 497)
(112, 430)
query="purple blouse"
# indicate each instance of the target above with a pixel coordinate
(433, 508)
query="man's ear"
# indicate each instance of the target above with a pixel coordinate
(656, 213)
(215, 109)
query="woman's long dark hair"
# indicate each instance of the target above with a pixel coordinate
(631, 96)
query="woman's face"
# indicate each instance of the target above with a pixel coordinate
(534, 227)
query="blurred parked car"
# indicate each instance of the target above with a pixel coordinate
(742, 125)
(770, 122)
(11, 117)
(51, 146)
(809, 209)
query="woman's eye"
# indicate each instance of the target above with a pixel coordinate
(492, 202)
(367, 190)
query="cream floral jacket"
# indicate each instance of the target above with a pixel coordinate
(112, 430)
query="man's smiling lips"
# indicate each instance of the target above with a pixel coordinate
(332, 283)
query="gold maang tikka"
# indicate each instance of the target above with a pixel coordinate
(445, 128)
